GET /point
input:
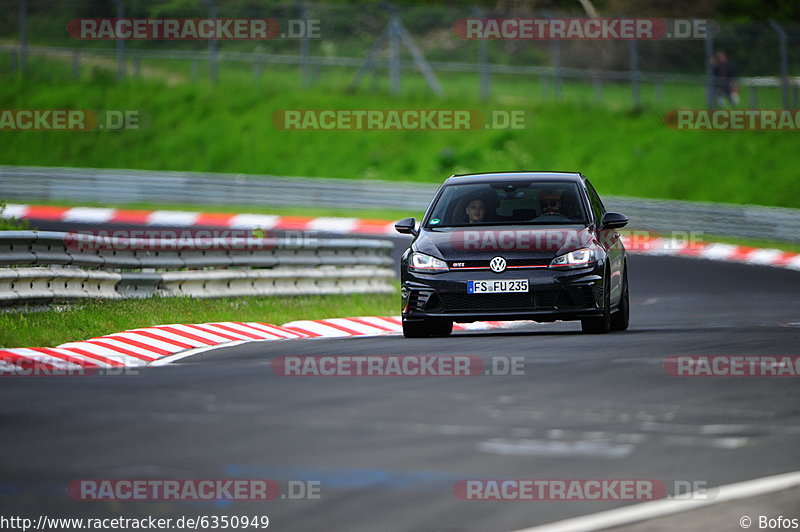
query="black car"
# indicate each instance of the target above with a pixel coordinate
(514, 246)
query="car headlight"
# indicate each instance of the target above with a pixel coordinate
(580, 258)
(425, 263)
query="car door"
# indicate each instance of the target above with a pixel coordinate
(611, 241)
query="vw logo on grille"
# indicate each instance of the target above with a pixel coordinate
(498, 264)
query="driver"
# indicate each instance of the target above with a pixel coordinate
(476, 211)
(550, 205)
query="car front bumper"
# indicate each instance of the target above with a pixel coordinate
(552, 295)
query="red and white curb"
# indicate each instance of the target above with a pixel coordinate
(99, 215)
(711, 251)
(167, 343)
(355, 226)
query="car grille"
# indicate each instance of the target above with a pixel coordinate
(539, 300)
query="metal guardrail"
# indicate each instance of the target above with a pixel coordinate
(129, 186)
(48, 266)
(138, 186)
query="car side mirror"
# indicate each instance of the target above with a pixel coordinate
(613, 220)
(407, 226)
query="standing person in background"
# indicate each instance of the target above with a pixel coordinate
(724, 84)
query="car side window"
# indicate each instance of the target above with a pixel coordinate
(598, 209)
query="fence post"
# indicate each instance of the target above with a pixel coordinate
(23, 35)
(708, 50)
(753, 96)
(633, 46)
(212, 43)
(120, 42)
(598, 86)
(483, 59)
(76, 64)
(556, 50)
(394, 53)
(784, 62)
(304, 48)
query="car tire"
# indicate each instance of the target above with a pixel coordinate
(621, 318)
(427, 328)
(600, 324)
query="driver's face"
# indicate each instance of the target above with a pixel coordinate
(476, 211)
(550, 204)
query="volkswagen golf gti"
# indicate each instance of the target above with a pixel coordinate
(514, 246)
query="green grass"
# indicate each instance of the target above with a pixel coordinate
(228, 128)
(88, 319)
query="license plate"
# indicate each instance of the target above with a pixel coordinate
(496, 286)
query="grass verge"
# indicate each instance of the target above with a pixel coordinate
(228, 128)
(88, 319)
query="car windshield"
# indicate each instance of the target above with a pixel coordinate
(508, 203)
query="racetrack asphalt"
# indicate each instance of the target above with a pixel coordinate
(388, 450)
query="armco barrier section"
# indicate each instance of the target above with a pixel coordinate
(37, 267)
(137, 186)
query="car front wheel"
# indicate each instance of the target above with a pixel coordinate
(600, 324)
(621, 318)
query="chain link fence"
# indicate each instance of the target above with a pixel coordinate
(327, 44)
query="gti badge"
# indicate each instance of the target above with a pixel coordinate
(498, 264)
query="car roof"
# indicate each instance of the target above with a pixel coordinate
(514, 176)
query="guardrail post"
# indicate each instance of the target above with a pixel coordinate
(784, 62)
(120, 42)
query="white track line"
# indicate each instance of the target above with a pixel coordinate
(650, 510)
